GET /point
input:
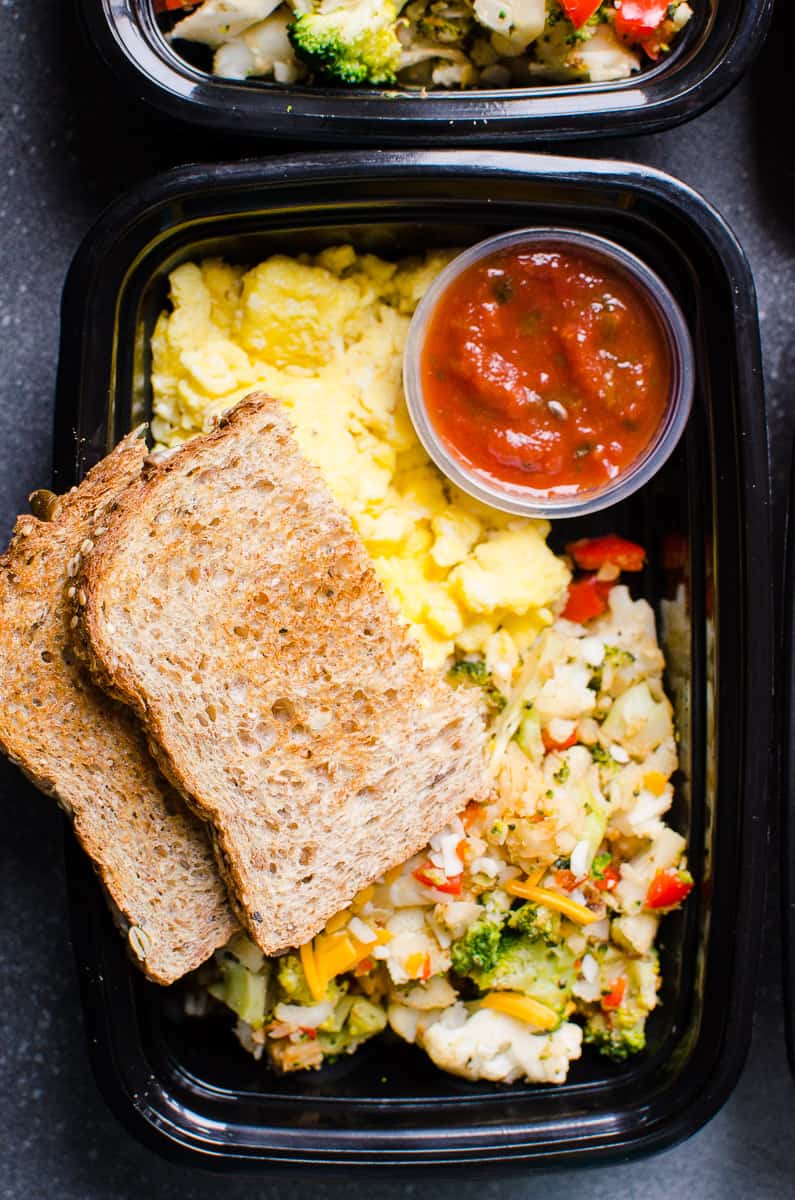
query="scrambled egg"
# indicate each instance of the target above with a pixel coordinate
(326, 336)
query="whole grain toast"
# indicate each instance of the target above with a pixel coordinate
(232, 605)
(152, 855)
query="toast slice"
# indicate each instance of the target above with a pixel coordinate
(152, 855)
(232, 605)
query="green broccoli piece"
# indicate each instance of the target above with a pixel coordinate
(531, 966)
(562, 775)
(537, 921)
(366, 1018)
(600, 863)
(354, 43)
(244, 991)
(472, 669)
(478, 949)
(621, 1031)
(618, 657)
(362, 1020)
(441, 29)
(292, 981)
(293, 988)
(617, 1036)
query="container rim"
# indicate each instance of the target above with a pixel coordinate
(680, 398)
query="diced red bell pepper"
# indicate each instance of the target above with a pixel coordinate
(636, 20)
(669, 888)
(615, 995)
(587, 599)
(578, 11)
(550, 744)
(174, 5)
(566, 879)
(592, 553)
(434, 877)
(609, 879)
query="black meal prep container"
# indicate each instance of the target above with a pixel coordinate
(183, 1085)
(708, 59)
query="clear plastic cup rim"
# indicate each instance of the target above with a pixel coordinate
(680, 349)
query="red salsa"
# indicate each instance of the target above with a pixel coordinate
(545, 369)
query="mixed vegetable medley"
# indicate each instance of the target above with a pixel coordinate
(428, 43)
(528, 926)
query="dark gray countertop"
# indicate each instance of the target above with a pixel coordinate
(69, 145)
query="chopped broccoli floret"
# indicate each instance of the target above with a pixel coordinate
(292, 985)
(362, 1020)
(474, 670)
(615, 1037)
(537, 921)
(244, 991)
(366, 1018)
(619, 1032)
(469, 668)
(519, 950)
(292, 981)
(478, 949)
(441, 29)
(562, 775)
(353, 43)
(617, 657)
(531, 966)
(600, 863)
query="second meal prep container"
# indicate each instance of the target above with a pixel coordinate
(183, 1085)
(707, 60)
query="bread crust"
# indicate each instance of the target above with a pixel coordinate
(151, 854)
(231, 604)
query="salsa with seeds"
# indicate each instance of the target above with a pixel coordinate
(546, 370)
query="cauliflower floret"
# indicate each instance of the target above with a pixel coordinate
(218, 21)
(451, 67)
(412, 942)
(457, 915)
(601, 57)
(666, 850)
(435, 994)
(636, 932)
(630, 624)
(624, 787)
(264, 49)
(491, 1045)
(566, 694)
(519, 21)
(638, 722)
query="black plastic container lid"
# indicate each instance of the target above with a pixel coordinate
(708, 58)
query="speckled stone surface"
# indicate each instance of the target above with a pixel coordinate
(68, 145)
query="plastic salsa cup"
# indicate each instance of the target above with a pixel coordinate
(534, 501)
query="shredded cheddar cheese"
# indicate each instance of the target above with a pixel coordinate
(562, 904)
(514, 1004)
